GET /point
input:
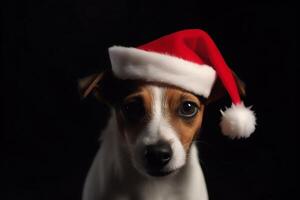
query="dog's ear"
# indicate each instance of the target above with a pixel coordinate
(88, 85)
(105, 86)
(219, 91)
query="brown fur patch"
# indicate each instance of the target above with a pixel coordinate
(143, 92)
(186, 128)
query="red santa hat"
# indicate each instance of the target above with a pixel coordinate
(188, 59)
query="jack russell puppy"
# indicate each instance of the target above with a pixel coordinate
(147, 148)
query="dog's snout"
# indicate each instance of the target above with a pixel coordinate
(158, 155)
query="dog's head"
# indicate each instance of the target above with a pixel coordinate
(157, 122)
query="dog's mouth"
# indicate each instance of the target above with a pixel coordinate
(159, 173)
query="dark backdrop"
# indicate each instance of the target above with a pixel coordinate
(50, 136)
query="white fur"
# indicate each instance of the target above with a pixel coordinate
(133, 63)
(152, 133)
(114, 176)
(238, 121)
(160, 129)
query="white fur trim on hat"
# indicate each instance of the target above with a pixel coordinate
(133, 63)
(238, 121)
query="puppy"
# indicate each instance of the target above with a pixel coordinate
(147, 150)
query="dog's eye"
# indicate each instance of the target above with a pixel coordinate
(133, 109)
(187, 109)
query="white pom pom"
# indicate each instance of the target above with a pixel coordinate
(238, 121)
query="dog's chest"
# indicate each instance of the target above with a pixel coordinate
(188, 185)
(165, 191)
(161, 190)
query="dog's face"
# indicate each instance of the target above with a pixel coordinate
(157, 122)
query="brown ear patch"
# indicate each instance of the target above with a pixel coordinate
(87, 84)
(106, 87)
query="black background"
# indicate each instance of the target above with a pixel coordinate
(50, 136)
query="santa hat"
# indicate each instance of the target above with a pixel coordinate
(188, 59)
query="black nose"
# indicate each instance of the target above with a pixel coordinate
(157, 156)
